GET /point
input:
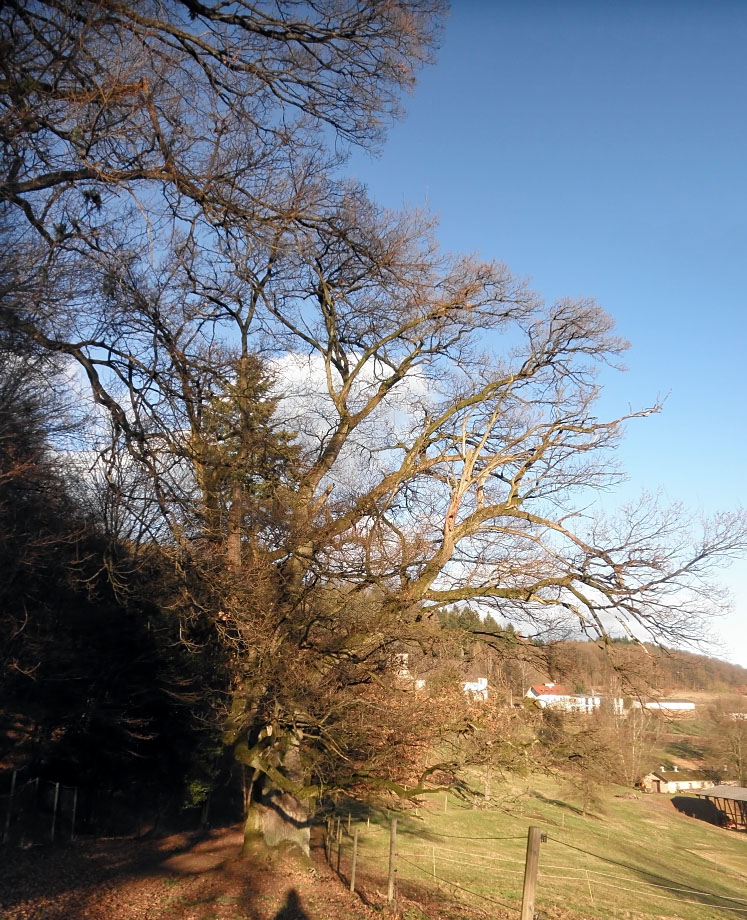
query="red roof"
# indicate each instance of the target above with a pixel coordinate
(555, 690)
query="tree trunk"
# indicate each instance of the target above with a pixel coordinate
(233, 539)
(277, 816)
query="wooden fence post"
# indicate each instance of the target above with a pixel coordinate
(339, 845)
(390, 892)
(354, 860)
(205, 813)
(54, 810)
(530, 873)
(8, 813)
(75, 811)
(591, 893)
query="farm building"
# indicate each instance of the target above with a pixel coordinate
(556, 696)
(665, 705)
(731, 800)
(476, 689)
(674, 780)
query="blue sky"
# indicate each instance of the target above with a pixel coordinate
(600, 149)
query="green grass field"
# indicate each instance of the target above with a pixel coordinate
(631, 858)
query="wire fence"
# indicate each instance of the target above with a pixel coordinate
(36, 811)
(503, 877)
(458, 887)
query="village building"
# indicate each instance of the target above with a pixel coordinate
(674, 780)
(555, 696)
(552, 695)
(665, 705)
(476, 689)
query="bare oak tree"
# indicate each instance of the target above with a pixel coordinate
(342, 429)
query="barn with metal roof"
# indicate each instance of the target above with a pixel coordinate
(731, 800)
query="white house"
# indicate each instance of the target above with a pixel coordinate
(552, 695)
(556, 696)
(476, 689)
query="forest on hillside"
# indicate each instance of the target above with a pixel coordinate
(616, 665)
(667, 670)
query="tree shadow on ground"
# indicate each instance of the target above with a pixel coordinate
(559, 803)
(171, 877)
(89, 861)
(685, 748)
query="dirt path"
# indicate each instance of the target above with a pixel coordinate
(178, 878)
(183, 877)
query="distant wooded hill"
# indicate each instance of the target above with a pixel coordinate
(585, 665)
(588, 665)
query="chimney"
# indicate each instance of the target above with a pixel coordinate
(549, 684)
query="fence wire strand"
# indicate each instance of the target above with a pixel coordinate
(476, 894)
(599, 876)
(458, 862)
(687, 888)
(470, 837)
(510, 859)
(725, 897)
(664, 897)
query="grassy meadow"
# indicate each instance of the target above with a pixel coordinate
(630, 858)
